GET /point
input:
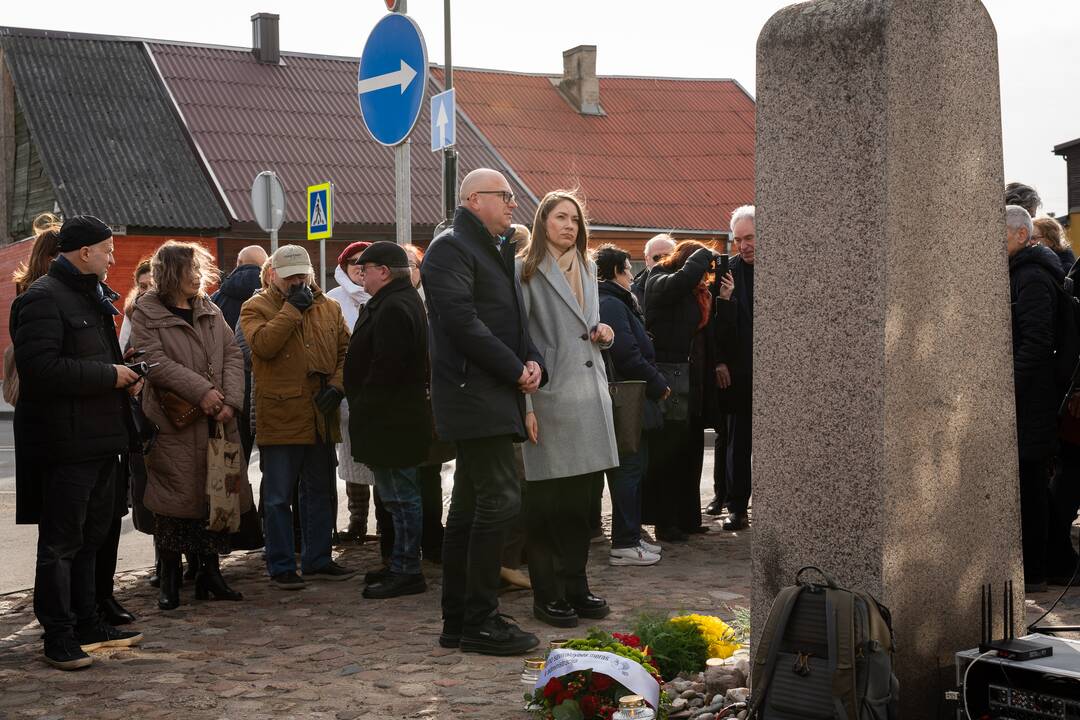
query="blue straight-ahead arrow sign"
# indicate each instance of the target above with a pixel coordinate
(443, 125)
(392, 78)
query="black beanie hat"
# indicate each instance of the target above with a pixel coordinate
(385, 253)
(82, 231)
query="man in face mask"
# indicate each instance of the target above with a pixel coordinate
(298, 341)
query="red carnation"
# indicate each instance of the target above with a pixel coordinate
(601, 682)
(562, 696)
(590, 705)
(553, 686)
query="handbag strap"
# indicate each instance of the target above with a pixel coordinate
(609, 366)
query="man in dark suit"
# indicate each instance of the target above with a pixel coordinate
(482, 365)
(738, 378)
(73, 428)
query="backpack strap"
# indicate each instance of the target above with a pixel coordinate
(880, 623)
(769, 645)
(841, 604)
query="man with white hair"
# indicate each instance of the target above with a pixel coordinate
(1035, 279)
(737, 380)
(656, 248)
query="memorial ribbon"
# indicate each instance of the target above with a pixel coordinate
(624, 671)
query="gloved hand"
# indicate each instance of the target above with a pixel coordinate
(300, 296)
(328, 399)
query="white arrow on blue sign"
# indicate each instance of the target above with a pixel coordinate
(392, 78)
(443, 124)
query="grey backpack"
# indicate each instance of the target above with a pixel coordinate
(826, 654)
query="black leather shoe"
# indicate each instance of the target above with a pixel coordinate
(374, 576)
(590, 606)
(673, 534)
(450, 637)
(557, 613)
(736, 521)
(498, 636)
(716, 507)
(114, 613)
(696, 530)
(395, 585)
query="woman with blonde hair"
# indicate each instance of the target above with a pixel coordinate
(569, 420)
(197, 365)
(143, 281)
(1048, 232)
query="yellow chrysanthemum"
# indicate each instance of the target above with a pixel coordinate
(718, 634)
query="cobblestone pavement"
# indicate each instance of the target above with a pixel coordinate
(325, 652)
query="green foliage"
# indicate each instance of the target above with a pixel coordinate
(740, 623)
(598, 639)
(675, 647)
(568, 710)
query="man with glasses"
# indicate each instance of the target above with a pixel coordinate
(738, 379)
(655, 249)
(482, 365)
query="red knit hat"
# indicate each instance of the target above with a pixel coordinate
(352, 249)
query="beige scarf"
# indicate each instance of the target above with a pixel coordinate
(570, 264)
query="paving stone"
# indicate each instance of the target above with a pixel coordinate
(413, 690)
(140, 696)
(349, 670)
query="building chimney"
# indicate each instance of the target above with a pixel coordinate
(264, 38)
(579, 84)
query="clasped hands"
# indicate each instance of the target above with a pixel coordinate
(531, 374)
(213, 405)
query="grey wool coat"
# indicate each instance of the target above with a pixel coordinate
(573, 410)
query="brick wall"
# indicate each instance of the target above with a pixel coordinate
(129, 250)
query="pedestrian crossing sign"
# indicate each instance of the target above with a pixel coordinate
(320, 215)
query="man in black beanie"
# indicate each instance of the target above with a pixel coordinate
(72, 427)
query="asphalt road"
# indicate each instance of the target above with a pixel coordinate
(17, 542)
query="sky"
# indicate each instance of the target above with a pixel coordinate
(1038, 43)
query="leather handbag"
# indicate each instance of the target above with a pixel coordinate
(179, 411)
(677, 405)
(627, 409)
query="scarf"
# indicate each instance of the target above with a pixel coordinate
(570, 265)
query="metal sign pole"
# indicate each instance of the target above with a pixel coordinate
(450, 153)
(403, 187)
(273, 241)
(322, 264)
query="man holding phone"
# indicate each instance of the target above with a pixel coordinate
(298, 341)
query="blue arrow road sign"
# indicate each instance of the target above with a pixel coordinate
(392, 78)
(443, 126)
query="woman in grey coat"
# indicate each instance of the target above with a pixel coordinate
(569, 422)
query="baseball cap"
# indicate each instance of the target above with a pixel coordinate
(291, 260)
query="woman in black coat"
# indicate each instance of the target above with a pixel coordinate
(686, 312)
(632, 357)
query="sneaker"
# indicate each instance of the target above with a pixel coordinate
(65, 654)
(330, 571)
(395, 585)
(288, 581)
(498, 636)
(105, 635)
(650, 547)
(636, 555)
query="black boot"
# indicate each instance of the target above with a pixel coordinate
(155, 579)
(192, 566)
(210, 582)
(169, 576)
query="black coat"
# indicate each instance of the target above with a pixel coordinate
(738, 399)
(1034, 279)
(637, 287)
(479, 333)
(386, 379)
(69, 410)
(235, 290)
(632, 354)
(672, 316)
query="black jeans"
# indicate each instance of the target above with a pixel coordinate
(486, 498)
(1034, 514)
(1064, 502)
(78, 506)
(740, 435)
(105, 561)
(720, 461)
(557, 523)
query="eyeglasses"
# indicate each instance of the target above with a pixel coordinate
(355, 263)
(507, 196)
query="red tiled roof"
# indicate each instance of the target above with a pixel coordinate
(668, 153)
(301, 119)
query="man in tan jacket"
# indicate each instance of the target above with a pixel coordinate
(298, 341)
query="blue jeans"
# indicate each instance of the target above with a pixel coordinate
(282, 465)
(624, 484)
(399, 490)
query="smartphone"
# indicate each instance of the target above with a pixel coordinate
(722, 266)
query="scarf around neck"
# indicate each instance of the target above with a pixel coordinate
(570, 264)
